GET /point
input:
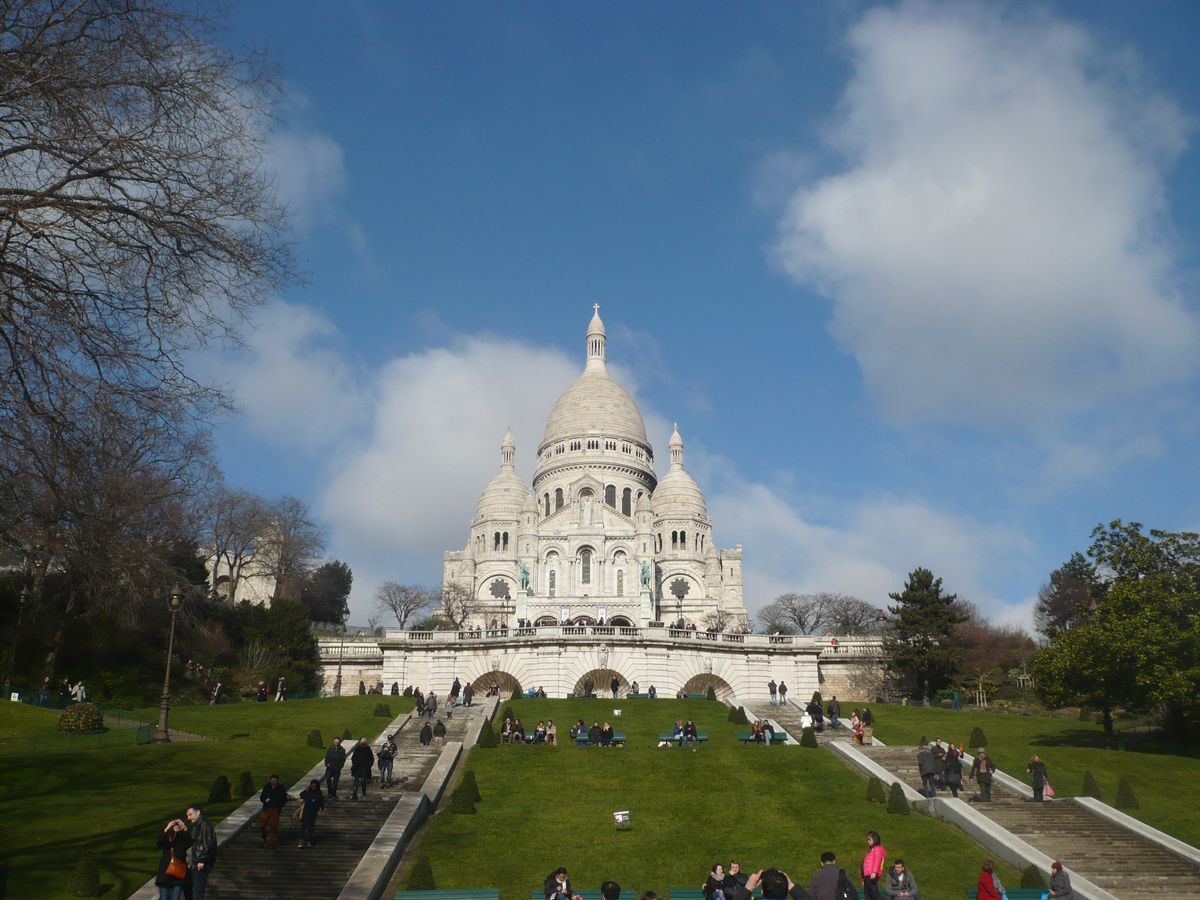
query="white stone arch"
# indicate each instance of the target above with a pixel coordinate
(704, 667)
(602, 682)
(484, 591)
(702, 681)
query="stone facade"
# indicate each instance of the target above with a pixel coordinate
(599, 538)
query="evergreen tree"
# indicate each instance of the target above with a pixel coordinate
(737, 716)
(1069, 598)
(897, 803)
(246, 786)
(978, 738)
(421, 876)
(919, 644)
(1090, 787)
(220, 791)
(1032, 877)
(471, 785)
(808, 737)
(1126, 799)
(876, 793)
(314, 738)
(346, 736)
(712, 693)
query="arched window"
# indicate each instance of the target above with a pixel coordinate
(558, 498)
(620, 583)
(547, 503)
(627, 501)
(683, 540)
(674, 540)
(610, 496)
(504, 541)
(553, 582)
(496, 541)
(585, 566)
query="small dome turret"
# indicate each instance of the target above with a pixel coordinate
(678, 495)
(506, 495)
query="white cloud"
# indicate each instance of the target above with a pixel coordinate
(309, 171)
(996, 247)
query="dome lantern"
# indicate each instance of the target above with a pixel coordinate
(595, 341)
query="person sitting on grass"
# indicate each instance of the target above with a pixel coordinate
(901, 882)
(594, 733)
(606, 735)
(551, 732)
(690, 734)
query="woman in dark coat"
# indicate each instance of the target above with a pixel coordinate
(953, 770)
(173, 841)
(426, 734)
(557, 885)
(1060, 883)
(313, 802)
(1037, 769)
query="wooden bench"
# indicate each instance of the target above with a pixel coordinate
(777, 737)
(583, 740)
(1014, 893)
(701, 737)
(452, 894)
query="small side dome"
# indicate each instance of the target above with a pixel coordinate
(506, 495)
(677, 495)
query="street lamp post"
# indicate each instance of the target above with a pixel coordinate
(337, 682)
(12, 651)
(161, 734)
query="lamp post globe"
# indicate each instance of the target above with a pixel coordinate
(161, 733)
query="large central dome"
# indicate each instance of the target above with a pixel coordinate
(595, 404)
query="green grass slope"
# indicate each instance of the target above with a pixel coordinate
(543, 807)
(1068, 748)
(114, 801)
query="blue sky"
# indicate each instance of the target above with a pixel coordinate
(917, 280)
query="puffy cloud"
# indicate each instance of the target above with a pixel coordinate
(309, 172)
(996, 247)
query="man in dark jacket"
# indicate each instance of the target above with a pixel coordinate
(335, 761)
(273, 798)
(928, 767)
(361, 760)
(775, 884)
(595, 733)
(468, 693)
(203, 852)
(981, 771)
(835, 710)
(824, 883)
(615, 684)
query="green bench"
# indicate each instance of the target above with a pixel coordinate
(686, 894)
(583, 740)
(1013, 893)
(777, 737)
(539, 894)
(701, 737)
(451, 894)
(638, 697)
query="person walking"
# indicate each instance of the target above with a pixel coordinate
(1060, 883)
(953, 770)
(772, 688)
(172, 875)
(468, 694)
(783, 696)
(312, 803)
(427, 734)
(335, 760)
(455, 690)
(281, 689)
(217, 693)
(834, 710)
(431, 703)
(386, 758)
(872, 866)
(79, 692)
(615, 686)
(361, 761)
(439, 733)
(203, 852)
(273, 798)
(982, 770)
(928, 768)
(1037, 769)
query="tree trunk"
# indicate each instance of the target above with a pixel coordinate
(60, 636)
(1109, 739)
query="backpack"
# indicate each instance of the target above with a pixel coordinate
(845, 890)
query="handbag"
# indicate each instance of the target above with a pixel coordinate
(1049, 790)
(298, 813)
(176, 868)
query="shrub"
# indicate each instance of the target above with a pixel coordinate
(808, 737)
(471, 786)
(1085, 714)
(516, 690)
(219, 792)
(1126, 799)
(1032, 877)
(978, 738)
(875, 791)
(712, 693)
(487, 736)
(81, 718)
(245, 785)
(315, 739)
(737, 716)
(461, 802)
(85, 880)
(383, 711)
(347, 736)
(421, 876)
(897, 802)
(1090, 787)
(816, 698)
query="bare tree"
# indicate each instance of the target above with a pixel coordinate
(773, 619)
(233, 521)
(403, 601)
(846, 615)
(805, 613)
(289, 547)
(458, 604)
(720, 620)
(137, 217)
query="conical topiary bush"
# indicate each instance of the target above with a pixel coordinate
(245, 785)
(487, 736)
(461, 802)
(1126, 799)
(507, 714)
(220, 792)
(314, 738)
(517, 693)
(808, 737)
(1032, 877)
(383, 711)
(875, 791)
(712, 693)
(1090, 787)
(347, 736)
(471, 786)
(737, 715)
(85, 880)
(897, 803)
(978, 738)
(421, 876)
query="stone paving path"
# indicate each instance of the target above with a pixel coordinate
(246, 870)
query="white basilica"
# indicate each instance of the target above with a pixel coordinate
(599, 539)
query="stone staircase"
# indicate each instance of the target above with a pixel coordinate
(246, 870)
(788, 716)
(1114, 858)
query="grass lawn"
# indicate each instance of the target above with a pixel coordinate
(1068, 747)
(544, 807)
(113, 801)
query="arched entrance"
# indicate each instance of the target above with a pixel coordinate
(483, 684)
(620, 622)
(601, 681)
(583, 620)
(545, 620)
(699, 684)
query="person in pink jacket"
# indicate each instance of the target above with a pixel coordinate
(872, 866)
